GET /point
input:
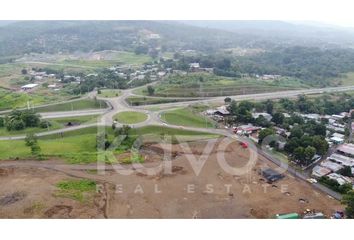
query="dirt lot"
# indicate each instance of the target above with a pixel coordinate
(29, 191)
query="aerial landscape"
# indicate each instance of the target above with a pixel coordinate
(180, 119)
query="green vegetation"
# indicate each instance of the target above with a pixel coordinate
(186, 117)
(139, 101)
(348, 200)
(31, 141)
(209, 85)
(80, 146)
(75, 189)
(108, 93)
(306, 139)
(11, 100)
(53, 124)
(75, 120)
(345, 79)
(335, 186)
(130, 117)
(81, 104)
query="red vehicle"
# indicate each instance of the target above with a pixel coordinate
(244, 144)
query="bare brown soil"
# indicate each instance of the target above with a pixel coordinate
(29, 191)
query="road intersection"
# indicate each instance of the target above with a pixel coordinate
(119, 104)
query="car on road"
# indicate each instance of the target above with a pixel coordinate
(311, 180)
(244, 144)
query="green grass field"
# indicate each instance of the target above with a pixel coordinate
(109, 59)
(81, 104)
(130, 117)
(11, 100)
(209, 85)
(186, 117)
(346, 80)
(109, 93)
(140, 101)
(54, 126)
(78, 119)
(79, 146)
(56, 123)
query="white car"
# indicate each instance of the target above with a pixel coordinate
(311, 180)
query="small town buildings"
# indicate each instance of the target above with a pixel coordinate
(246, 129)
(337, 140)
(319, 171)
(264, 114)
(346, 150)
(161, 74)
(337, 117)
(194, 66)
(334, 167)
(311, 116)
(339, 178)
(221, 112)
(270, 77)
(342, 160)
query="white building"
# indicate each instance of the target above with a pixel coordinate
(29, 86)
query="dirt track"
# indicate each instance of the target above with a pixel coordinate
(179, 194)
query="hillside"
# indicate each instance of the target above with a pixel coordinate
(20, 37)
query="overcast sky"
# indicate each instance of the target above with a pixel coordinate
(337, 12)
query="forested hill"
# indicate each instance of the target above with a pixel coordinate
(21, 37)
(68, 36)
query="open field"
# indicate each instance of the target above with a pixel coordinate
(55, 123)
(208, 85)
(130, 117)
(79, 146)
(10, 72)
(186, 117)
(85, 61)
(81, 104)
(140, 101)
(75, 120)
(109, 93)
(54, 126)
(347, 80)
(11, 100)
(213, 193)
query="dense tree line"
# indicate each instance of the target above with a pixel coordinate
(311, 64)
(327, 104)
(18, 120)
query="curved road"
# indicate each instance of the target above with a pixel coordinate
(118, 104)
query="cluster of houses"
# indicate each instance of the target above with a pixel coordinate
(53, 81)
(195, 67)
(268, 77)
(151, 71)
(218, 114)
(40, 75)
(342, 157)
(334, 125)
